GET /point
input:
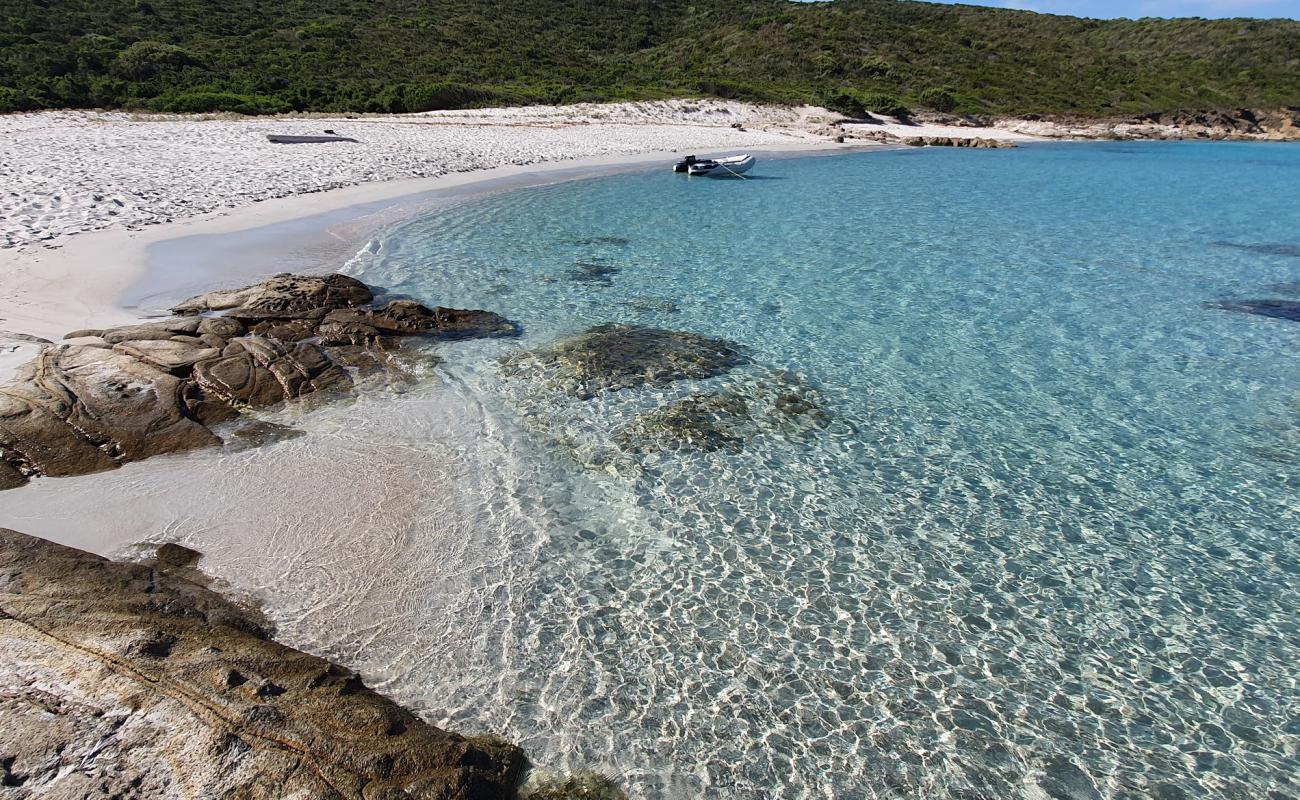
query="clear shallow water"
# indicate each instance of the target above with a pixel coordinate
(1045, 547)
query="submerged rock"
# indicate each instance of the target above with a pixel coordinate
(612, 357)
(258, 433)
(661, 305)
(135, 680)
(713, 421)
(593, 272)
(158, 387)
(778, 403)
(609, 241)
(1278, 309)
(584, 785)
(1267, 249)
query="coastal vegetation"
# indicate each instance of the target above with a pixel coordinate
(889, 56)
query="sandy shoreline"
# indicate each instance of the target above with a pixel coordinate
(135, 182)
(57, 164)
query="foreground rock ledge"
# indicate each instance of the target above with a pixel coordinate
(133, 680)
(129, 393)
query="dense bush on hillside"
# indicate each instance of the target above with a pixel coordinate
(261, 56)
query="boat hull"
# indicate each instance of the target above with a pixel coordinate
(723, 167)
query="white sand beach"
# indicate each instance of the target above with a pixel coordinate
(139, 180)
(136, 180)
(91, 196)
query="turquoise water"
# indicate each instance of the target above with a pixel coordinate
(1041, 542)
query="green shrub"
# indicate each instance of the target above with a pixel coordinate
(205, 102)
(886, 104)
(145, 60)
(938, 99)
(844, 103)
(12, 100)
(442, 96)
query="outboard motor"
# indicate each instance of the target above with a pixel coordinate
(684, 164)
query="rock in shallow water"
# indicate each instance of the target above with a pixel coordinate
(611, 357)
(1278, 309)
(156, 388)
(776, 403)
(133, 680)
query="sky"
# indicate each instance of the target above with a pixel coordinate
(1152, 8)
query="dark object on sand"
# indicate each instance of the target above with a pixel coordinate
(279, 138)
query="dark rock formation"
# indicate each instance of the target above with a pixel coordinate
(1278, 309)
(593, 272)
(159, 387)
(1240, 123)
(607, 241)
(777, 403)
(662, 305)
(290, 295)
(955, 141)
(611, 357)
(135, 680)
(256, 372)
(1267, 249)
(712, 421)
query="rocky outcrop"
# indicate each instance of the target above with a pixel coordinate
(842, 133)
(137, 681)
(611, 357)
(128, 393)
(288, 295)
(1242, 124)
(954, 141)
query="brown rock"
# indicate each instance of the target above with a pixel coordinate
(340, 332)
(34, 427)
(134, 680)
(258, 372)
(135, 409)
(224, 327)
(151, 330)
(285, 294)
(10, 475)
(409, 317)
(170, 355)
(611, 357)
(286, 330)
(155, 387)
(83, 333)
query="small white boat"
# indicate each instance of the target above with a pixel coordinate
(685, 163)
(722, 167)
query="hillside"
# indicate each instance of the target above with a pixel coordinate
(259, 56)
